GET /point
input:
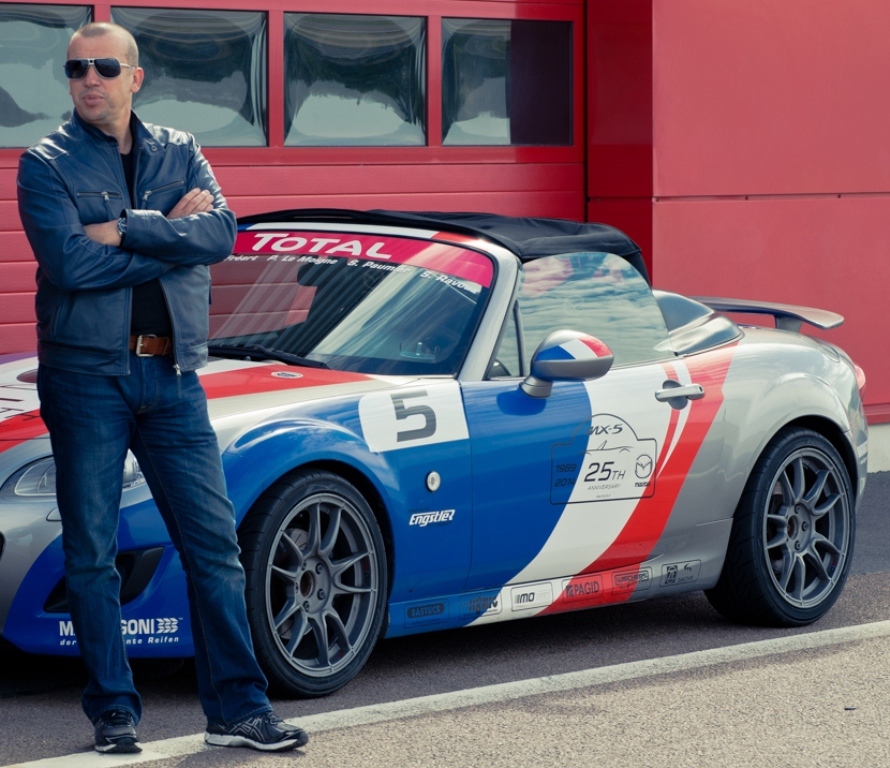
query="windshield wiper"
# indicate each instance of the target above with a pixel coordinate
(259, 352)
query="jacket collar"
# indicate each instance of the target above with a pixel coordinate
(141, 135)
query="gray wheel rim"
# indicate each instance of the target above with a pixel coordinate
(322, 581)
(806, 532)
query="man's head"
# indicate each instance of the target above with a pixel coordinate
(104, 102)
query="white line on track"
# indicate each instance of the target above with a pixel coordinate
(494, 694)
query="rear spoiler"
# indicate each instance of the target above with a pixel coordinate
(788, 317)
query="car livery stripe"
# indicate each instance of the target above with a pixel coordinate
(638, 538)
(258, 379)
(237, 380)
(20, 428)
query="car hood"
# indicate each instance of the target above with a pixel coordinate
(233, 387)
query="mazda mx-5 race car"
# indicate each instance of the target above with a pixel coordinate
(432, 421)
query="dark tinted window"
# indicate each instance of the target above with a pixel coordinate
(506, 82)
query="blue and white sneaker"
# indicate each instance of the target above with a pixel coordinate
(116, 733)
(264, 731)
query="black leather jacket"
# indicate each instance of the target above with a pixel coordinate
(75, 177)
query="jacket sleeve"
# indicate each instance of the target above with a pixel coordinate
(202, 238)
(67, 257)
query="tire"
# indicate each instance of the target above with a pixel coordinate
(316, 570)
(792, 538)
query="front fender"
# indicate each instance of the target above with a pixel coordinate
(430, 524)
(267, 452)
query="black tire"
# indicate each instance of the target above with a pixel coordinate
(792, 537)
(316, 572)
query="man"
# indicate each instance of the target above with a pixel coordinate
(124, 219)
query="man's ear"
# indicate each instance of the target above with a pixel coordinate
(138, 77)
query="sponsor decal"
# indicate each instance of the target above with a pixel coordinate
(287, 375)
(581, 588)
(628, 581)
(412, 417)
(674, 574)
(156, 631)
(426, 613)
(474, 606)
(261, 247)
(604, 461)
(276, 242)
(531, 596)
(644, 466)
(423, 519)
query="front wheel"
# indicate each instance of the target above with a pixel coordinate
(792, 537)
(314, 559)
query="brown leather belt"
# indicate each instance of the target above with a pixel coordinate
(149, 345)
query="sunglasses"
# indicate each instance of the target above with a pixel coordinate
(108, 68)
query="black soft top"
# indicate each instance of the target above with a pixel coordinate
(529, 238)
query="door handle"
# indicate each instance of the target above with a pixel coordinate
(677, 395)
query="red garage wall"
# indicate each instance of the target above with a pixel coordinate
(769, 156)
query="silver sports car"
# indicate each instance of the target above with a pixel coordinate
(432, 421)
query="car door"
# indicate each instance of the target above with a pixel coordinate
(586, 479)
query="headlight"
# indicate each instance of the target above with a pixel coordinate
(38, 480)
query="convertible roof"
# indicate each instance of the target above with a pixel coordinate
(529, 238)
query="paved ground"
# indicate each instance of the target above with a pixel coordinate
(658, 684)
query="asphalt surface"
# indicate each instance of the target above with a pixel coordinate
(823, 703)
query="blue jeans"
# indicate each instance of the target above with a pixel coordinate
(162, 417)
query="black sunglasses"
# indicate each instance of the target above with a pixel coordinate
(107, 68)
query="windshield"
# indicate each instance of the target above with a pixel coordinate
(365, 303)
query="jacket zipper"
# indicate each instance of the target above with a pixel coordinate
(149, 192)
(104, 194)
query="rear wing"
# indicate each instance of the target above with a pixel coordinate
(788, 317)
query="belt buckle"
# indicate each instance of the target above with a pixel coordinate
(139, 341)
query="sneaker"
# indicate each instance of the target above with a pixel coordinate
(116, 732)
(264, 731)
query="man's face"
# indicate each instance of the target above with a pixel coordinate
(104, 103)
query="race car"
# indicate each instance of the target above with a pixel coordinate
(441, 420)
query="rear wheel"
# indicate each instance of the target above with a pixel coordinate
(792, 537)
(316, 582)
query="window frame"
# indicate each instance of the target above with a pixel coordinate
(434, 151)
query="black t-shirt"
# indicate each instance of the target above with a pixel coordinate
(149, 313)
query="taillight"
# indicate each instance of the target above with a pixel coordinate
(860, 379)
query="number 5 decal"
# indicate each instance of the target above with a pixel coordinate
(406, 419)
(406, 412)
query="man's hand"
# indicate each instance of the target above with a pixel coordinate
(104, 233)
(196, 201)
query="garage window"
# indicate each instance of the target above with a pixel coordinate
(34, 96)
(506, 82)
(205, 72)
(354, 80)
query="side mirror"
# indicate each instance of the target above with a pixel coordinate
(566, 356)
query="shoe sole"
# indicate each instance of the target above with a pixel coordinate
(222, 740)
(122, 747)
